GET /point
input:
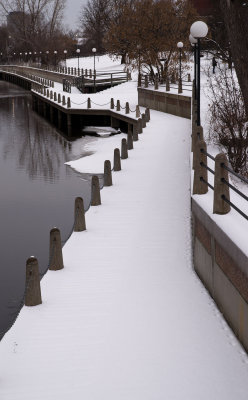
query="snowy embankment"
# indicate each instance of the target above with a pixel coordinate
(127, 317)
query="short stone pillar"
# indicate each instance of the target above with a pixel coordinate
(32, 292)
(89, 103)
(95, 191)
(220, 187)
(127, 109)
(143, 120)
(117, 160)
(137, 112)
(55, 250)
(200, 173)
(129, 140)
(55, 96)
(63, 101)
(139, 125)
(79, 215)
(124, 152)
(68, 102)
(146, 81)
(135, 133)
(51, 94)
(118, 106)
(180, 86)
(107, 173)
(59, 98)
(112, 104)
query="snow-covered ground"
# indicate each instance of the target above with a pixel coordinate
(127, 318)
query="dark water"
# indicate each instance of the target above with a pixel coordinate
(37, 192)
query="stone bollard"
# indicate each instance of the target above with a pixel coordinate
(55, 250)
(135, 133)
(143, 120)
(180, 86)
(140, 128)
(137, 112)
(59, 98)
(51, 94)
(200, 187)
(63, 101)
(129, 140)
(146, 81)
(47, 93)
(79, 215)
(95, 191)
(89, 103)
(156, 83)
(107, 173)
(32, 292)
(197, 135)
(124, 152)
(118, 106)
(112, 104)
(127, 109)
(68, 102)
(55, 96)
(220, 188)
(117, 160)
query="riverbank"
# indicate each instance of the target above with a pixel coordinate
(127, 316)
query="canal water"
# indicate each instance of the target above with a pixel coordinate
(37, 192)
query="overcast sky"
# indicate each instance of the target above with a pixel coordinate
(71, 12)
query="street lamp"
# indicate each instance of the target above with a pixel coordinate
(94, 71)
(198, 30)
(180, 86)
(193, 42)
(78, 52)
(65, 52)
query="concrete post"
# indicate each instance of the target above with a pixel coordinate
(197, 135)
(89, 103)
(55, 251)
(112, 104)
(117, 160)
(79, 215)
(59, 98)
(55, 96)
(143, 120)
(118, 106)
(107, 173)
(137, 112)
(95, 191)
(47, 93)
(180, 86)
(124, 152)
(33, 292)
(127, 109)
(129, 139)
(51, 94)
(68, 102)
(199, 187)
(220, 188)
(146, 81)
(63, 101)
(135, 133)
(140, 128)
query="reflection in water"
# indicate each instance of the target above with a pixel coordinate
(37, 191)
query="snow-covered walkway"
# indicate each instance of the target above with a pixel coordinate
(127, 318)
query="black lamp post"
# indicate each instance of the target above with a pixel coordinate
(94, 71)
(193, 42)
(139, 75)
(198, 30)
(180, 86)
(65, 53)
(55, 57)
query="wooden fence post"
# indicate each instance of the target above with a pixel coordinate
(79, 215)
(33, 292)
(55, 250)
(200, 187)
(220, 188)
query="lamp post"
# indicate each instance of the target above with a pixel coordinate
(94, 71)
(198, 30)
(193, 42)
(139, 75)
(180, 86)
(65, 53)
(55, 57)
(78, 52)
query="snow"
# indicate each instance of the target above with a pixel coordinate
(127, 317)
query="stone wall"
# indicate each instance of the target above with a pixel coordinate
(175, 104)
(223, 268)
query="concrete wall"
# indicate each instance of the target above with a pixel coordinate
(174, 104)
(223, 268)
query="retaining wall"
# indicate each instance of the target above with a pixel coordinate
(223, 268)
(175, 104)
